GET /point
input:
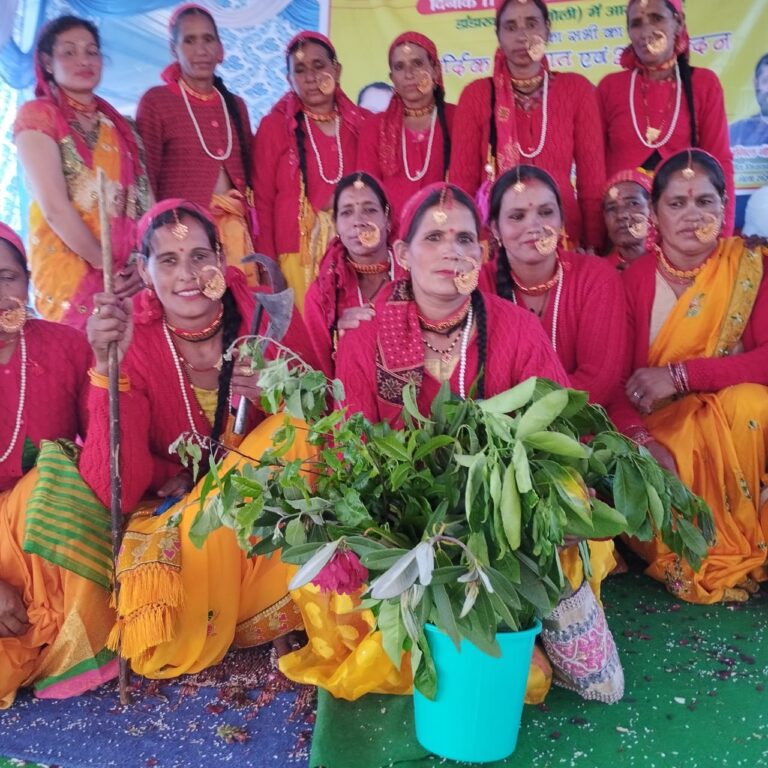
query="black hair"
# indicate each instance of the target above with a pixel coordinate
(53, 29)
(382, 86)
(540, 4)
(302, 41)
(17, 255)
(433, 198)
(523, 173)
(349, 181)
(440, 106)
(243, 136)
(481, 320)
(762, 62)
(231, 320)
(678, 162)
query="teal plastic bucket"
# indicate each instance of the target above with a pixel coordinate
(475, 716)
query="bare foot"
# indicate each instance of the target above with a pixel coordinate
(289, 643)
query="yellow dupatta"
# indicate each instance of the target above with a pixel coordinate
(718, 439)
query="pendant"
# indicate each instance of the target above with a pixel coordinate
(651, 134)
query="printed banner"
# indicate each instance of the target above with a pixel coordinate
(587, 37)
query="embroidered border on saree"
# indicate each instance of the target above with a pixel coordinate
(65, 522)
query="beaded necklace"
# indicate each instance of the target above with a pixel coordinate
(355, 266)
(419, 111)
(647, 140)
(544, 121)
(318, 118)
(22, 397)
(339, 151)
(203, 334)
(228, 151)
(556, 308)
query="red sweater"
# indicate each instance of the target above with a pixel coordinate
(58, 358)
(176, 162)
(153, 413)
(516, 349)
(574, 134)
(277, 175)
(398, 187)
(623, 149)
(705, 374)
(591, 322)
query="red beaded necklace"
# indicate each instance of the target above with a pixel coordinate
(449, 324)
(541, 288)
(203, 334)
(369, 269)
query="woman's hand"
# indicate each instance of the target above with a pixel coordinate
(178, 485)
(352, 317)
(13, 615)
(112, 320)
(128, 282)
(244, 380)
(648, 388)
(664, 458)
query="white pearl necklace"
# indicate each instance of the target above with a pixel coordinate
(182, 382)
(556, 308)
(339, 151)
(22, 398)
(360, 299)
(419, 175)
(463, 354)
(200, 138)
(675, 114)
(544, 121)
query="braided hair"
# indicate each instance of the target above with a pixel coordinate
(440, 106)
(231, 319)
(230, 101)
(520, 173)
(481, 320)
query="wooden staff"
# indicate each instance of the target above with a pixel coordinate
(116, 485)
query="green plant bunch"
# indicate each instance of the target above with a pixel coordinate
(458, 517)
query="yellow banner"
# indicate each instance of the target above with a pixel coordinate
(587, 37)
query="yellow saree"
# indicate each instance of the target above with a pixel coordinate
(718, 439)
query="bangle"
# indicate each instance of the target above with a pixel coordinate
(678, 372)
(102, 382)
(640, 435)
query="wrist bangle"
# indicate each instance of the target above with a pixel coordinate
(678, 372)
(102, 382)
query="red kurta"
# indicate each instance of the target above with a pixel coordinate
(655, 100)
(397, 186)
(516, 349)
(706, 374)
(591, 322)
(276, 170)
(176, 162)
(58, 358)
(574, 134)
(153, 412)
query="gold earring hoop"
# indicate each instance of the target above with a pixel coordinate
(547, 243)
(536, 47)
(426, 83)
(657, 44)
(213, 286)
(709, 230)
(327, 84)
(639, 226)
(369, 237)
(466, 282)
(12, 320)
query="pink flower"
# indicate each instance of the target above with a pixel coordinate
(343, 573)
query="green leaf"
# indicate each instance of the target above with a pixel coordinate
(411, 406)
(351, 511)
(294, 532)
(425, 676)
(511, 400)
(629, 495)
(447, 574)
(432, 445)
(542, 413)
(472, 490)
(557, 444)
(382, 559)
(207, 520)
(392, 446)
(692, 537)
(655, 507)
(522, 468)
(511, 509)
(393, 632)
(446, 617)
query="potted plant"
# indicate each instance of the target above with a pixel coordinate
(454, 521)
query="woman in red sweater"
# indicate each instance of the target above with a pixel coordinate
(197, 134)
(358, 264)
(54, 621)
(660, 104)
(578, 298)
(408, 146)
(181, 607)
(697, 396)
(430, 328)
(302, 149)
(525, 113)
(626, 208)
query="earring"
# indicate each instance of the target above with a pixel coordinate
(547, 243)
(466, 282)
(12, 320)
(213, 287)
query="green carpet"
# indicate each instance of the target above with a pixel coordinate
(695, 698)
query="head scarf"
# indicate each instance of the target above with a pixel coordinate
(7, 234)
(290, 104)
(638, 175)
(391, 127)
(171, 74)
(415, 201)
(630, 60)
(146, 306)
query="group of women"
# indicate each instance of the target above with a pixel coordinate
(399, 276)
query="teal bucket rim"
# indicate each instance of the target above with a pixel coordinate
(433, 629)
